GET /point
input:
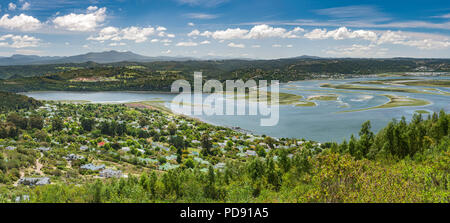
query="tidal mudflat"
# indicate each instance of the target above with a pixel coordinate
(330, 114)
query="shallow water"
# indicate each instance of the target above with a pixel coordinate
(321, 123)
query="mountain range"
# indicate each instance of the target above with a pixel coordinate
(97, 57)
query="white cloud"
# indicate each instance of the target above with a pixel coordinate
(161, 28)
(82, 22)
(117, 44)
(289, 46)
(276, 45)
(421, 41)
(25, 6)
(12, 6)
(28, 52)
(132, 33)
(187, 44)
(265, 31)
(357, 50)
(424, 43)
(166, 52)
(191, 24)
(369, 24)
(341, 33)
(234, 45)
(92, 8)
(205, 42)
(21, 22)
(257, 32)
(201, 16)
(446, 16)
(204, 3)
(107, 33)
(17, 41)
(137, 34)
(230, 34)
(194, 32)
(355, 12)
(256, 46)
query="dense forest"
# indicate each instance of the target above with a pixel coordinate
(12, 102)
(176, 159)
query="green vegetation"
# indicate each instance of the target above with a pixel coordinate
(306, 104)
(158, 76)
(264, 96)
(10, 102)
(169, 158)
(94, 79)
(393, 89)
(409, 82)
(422, 112)
(323, 98)
(396, 101)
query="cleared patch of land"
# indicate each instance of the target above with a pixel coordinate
(395, 101)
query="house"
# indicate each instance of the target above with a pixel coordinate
(219, 166)
(250, 152)
(10, 148)
(36, 181)
(44, 149)
(168, 166)
(71, 157)
(201, 161)
(92, 167)
(83, 148)
(23, 198)
(110, 173)
(171, 157)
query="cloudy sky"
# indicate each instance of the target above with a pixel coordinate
(227, 28)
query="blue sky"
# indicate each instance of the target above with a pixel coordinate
(227, 28)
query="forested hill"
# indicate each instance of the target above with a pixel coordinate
(300, 66)
(12, 102)
(159, 75)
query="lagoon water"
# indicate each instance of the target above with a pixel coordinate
(322, 123)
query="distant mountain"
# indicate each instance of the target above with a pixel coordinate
(18, 59)
(306, 57)
(97, 57)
